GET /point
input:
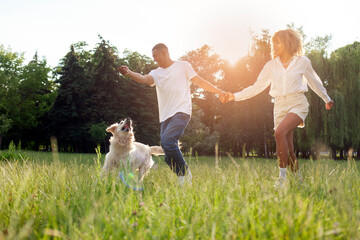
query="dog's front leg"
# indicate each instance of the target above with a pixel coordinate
(107, 165)
(104, 171)
(142, 171)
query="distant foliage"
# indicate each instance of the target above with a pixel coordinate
(78, 99)
(198, 136)
(13, 153)
(92, 95)
(26, 96)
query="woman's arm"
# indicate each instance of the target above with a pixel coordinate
(262, 82)
(315, 83)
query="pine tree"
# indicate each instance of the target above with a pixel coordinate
(140, 100)
(69, 113)
(107, 101)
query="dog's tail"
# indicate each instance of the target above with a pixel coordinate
(157, 150)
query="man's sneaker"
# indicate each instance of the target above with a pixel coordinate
(189, 178)
(185, 179)
(280, 183)
(299, 179)
(181, 180)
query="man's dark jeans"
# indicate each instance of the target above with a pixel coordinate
(171, 130)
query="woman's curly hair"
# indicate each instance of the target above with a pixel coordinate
(290, 39)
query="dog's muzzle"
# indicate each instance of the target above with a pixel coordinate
(125, 128)
(127, 125)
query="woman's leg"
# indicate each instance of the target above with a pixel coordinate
(293, 162)
(288, 124)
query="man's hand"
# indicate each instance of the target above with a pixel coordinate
(230, 96)
(329, 105)
(137, 77)
(226, 97)
(124, 70)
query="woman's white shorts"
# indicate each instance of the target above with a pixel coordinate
(292, 103)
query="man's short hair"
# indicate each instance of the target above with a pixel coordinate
(160, 46)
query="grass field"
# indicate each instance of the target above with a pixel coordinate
(66, 198)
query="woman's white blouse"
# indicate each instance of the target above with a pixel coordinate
(293, 79)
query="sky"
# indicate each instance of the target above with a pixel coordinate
(51, 26)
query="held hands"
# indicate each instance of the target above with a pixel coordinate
(226, 97)
(230, 96)
(329, 105)
(124, 70)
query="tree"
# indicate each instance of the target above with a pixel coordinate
(262, 108)
(335, 124)
(209, 66)
(233, 120)
(10, 69)
(69, 113)
(140, 100)
(5, 125)
(250, 122)
(115, 98)
(92, 94)
(26, 94)
(98, 134)
(313, 136)
(198, 136)
(345, 67)
(106, 93)
(37, 96)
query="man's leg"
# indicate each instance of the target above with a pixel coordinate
(171, 130)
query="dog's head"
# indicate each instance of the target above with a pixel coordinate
(122, 132)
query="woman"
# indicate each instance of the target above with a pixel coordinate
(289, 73)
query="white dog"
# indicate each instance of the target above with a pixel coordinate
(124, 151)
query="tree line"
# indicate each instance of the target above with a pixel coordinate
(78, 99)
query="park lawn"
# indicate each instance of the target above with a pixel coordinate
(67, 198)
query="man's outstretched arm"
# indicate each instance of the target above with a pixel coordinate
(199, 81)
(137, 77)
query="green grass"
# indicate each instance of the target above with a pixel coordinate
(66, 198)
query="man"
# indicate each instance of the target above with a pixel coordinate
(172, 80)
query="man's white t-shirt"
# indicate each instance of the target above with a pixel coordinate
(173, 89)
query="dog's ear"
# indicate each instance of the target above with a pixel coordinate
(112, 128)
